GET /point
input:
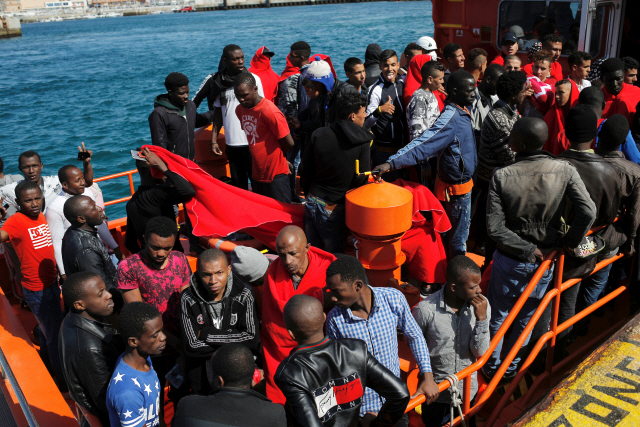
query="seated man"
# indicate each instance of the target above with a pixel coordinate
(620, 97)
(134, 392)
(512, 211)
(154, 198)
(73, 184)
(374, 315)
(300, 269)
(217, 309)
(157, 275)
(232, 403)
(89, 348)
(328, 171)
(324, 379)
(82, 249)
(29, 234)
(455, 323)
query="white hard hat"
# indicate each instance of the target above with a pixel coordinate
(427, 43)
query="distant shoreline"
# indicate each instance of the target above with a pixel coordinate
(216, 5)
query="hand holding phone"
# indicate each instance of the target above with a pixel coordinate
(84, 154)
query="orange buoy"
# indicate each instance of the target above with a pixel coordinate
(216, 166)
(378, 215)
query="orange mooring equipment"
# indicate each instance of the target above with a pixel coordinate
(379, 214)
(216, 166)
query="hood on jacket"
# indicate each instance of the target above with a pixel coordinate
(261, 60)
(163, 101)
(351, 132)
(372, 55)
(414, 77)
(200, 293)
(261, 67)
(289, 70)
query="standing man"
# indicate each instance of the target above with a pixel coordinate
(81, 247)
(218, 89)
(579, 68)
(89, 348)
(512, 63)
(269, 139)
(217, 309)
(630, 70)
(327, 172)
(454, 56)
(73, 184)
(156, 275)
(511, 212)
(553, 44)
(485, 95)
(508, 46)
(477, 63)
(174, 118)
(385, 111)
(320, 368)
(374, 315)
(133, 395)
(451, 138)
(620, 97)
(300, 269)
(423, 109)
(356, 75)
(428, 45)
(455, 324)
(31, 239)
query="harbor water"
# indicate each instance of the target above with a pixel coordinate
(94, 81)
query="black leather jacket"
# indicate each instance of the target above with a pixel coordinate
(89, 351)
(324, 385)
(82, 250)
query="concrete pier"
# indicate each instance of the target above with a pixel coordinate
(249, 4)
(10, 27)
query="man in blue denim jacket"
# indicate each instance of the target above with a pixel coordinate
(524, 217)
(452, 140)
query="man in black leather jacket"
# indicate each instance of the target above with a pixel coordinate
(324, 379)
(82, 248)
(88, 347)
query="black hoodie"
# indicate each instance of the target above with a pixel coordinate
(372, 63)
(328, 167)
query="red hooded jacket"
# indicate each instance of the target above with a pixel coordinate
(558, 142)
(261, 67)
(623, 103)
(413, 80)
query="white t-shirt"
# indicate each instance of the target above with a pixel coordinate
(233, 132)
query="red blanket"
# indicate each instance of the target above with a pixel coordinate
(555, 72)
(278, 289)
(422, 244)
(289, 70)
(414, 77)
(558, 142)
(261, 67)
(543, 96)
(624, 103)
(219, 209)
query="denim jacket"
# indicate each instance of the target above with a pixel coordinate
(451, 138)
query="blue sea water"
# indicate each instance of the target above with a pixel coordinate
(94, 81)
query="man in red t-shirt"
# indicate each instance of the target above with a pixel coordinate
(31, 239)
(156, 275)
(269, 139)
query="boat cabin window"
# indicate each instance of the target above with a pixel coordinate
(601, 27)
(532, 20)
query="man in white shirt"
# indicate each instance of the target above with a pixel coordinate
(579, 68)
(219, 86)
(73, 183)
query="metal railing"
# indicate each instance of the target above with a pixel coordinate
(7, 373)
(128, 174)
(553, 296)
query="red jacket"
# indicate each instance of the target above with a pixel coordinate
(261, 67)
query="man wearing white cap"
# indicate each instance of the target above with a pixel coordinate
(428, 45)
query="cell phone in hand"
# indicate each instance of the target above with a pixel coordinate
(6, 205)
(83, 155)
(137, 155)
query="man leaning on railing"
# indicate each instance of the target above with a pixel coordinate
(524, 218)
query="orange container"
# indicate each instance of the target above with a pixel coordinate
(216, 166)
(379, 214)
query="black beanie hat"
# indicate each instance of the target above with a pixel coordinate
(614, 131)
(581, 124)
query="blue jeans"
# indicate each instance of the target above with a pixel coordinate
(45, 306)
(508, 280)
(592, 286)
(458, 210)
(325, 229)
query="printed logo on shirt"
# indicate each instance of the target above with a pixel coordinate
(40, 236)
(250, 126)
(234, 318)
(200, 319)
(338, 395)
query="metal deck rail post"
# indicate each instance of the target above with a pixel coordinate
(8, 374)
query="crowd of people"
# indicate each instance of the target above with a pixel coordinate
(524, 158)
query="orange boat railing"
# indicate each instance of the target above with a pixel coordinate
(128, 174)
(553, 296)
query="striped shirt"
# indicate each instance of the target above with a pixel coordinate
(389, 312)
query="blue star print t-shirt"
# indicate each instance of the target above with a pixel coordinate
(133, 397)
